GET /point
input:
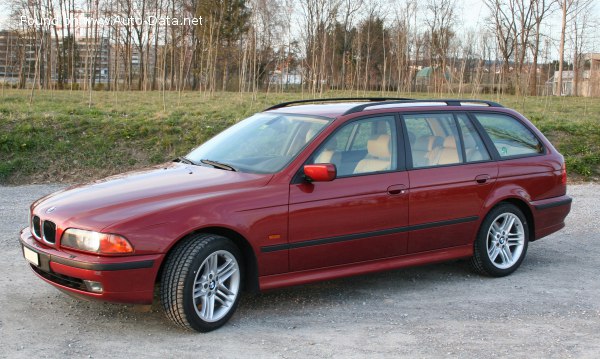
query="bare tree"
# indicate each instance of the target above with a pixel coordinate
(580, 22)
(503, 23)
(565, 5)
(440, 21)
(254, 45)
(523, 11)
(318, 17)
(570, 10)
(540, 9)
(349, 10)
(514, 21)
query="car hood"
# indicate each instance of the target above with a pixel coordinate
(129, 195)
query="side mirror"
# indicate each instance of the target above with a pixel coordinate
(323, 172)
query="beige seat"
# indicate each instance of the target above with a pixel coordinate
(309, 134)
(325, 156)
(447, 154)
(379, 157)
(423, 150)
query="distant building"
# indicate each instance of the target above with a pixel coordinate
(567, 83)
(94, 55)
(92, 48)
(588, 82)
(85, 48)
(428, 77)
(286, 78)
(17, 57)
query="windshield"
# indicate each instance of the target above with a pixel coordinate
(263, 143)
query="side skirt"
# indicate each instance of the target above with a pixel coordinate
(316, 275)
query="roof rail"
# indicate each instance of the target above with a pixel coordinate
(449, 102)
(371, 99)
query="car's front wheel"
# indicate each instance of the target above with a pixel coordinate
(201, 282)
(501, 242)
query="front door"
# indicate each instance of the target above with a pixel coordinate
(361, 215)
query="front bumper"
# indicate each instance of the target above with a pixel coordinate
(124, 279)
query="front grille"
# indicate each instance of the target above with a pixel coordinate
(49, 231)
(36, 224)
(61, 279)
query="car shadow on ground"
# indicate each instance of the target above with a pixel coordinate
(357, 289)
(278, 305)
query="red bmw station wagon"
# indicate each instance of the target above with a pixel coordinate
(301, 192)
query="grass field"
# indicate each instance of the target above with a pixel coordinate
(60, 138)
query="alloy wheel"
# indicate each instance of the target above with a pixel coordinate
(216, 286)
(505, 240)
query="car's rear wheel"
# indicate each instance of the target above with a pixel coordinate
(501, 242)
(201, 282)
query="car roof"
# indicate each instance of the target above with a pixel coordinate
(328, 110)
(337, 109)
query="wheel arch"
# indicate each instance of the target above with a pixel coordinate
(250, 261)
(524, 207)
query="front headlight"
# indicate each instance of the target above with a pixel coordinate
(96, 242)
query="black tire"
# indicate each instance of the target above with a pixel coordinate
(181, 276)
(505, 246)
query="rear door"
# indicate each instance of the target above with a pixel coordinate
(452, 175)
(362, 214)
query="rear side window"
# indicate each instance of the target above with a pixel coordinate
(510, 137)
(434, 139)
(474, 147)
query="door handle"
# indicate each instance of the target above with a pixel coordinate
(482, 178)
(397, 189)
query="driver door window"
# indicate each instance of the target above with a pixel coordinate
(360, 147)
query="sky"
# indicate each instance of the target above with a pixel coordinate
(474, 12)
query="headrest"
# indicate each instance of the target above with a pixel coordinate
(427, 143)
(424, 143)
(309, 134)
(379, 147)
(469, 141)
(450, 142)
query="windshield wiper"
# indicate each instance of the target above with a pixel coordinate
(216, 164)
(185, 160)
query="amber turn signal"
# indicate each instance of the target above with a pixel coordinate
(114, 244)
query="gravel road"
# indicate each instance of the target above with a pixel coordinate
(549, 308)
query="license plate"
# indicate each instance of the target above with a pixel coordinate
(31, 256)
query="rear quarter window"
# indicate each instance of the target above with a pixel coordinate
(510, 136)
